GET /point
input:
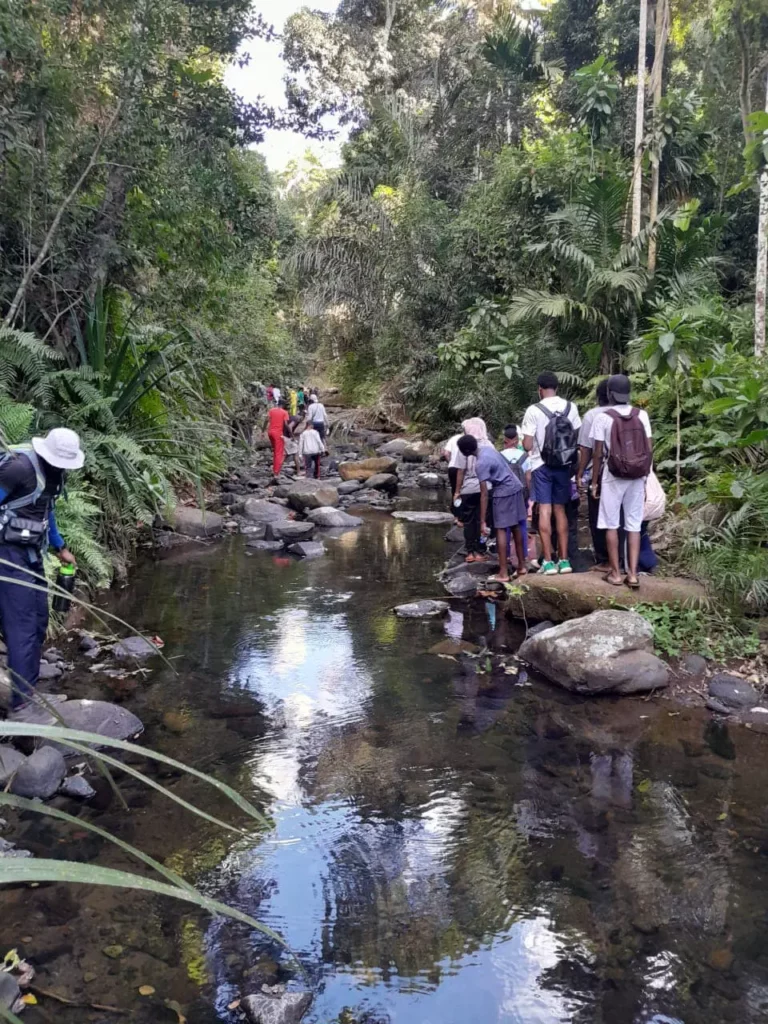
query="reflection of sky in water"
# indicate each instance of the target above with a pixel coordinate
(323, 862)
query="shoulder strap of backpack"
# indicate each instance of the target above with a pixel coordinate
(27, 499)
(547, 412)
(567, 410)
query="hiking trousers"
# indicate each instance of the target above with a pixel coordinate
(278, 452)
(23, 618)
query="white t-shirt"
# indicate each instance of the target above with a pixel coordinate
(316, 413)
(535, 425)
(450, 448)
(276, 395)
(585, 434)
(310, 443)
(603, 426)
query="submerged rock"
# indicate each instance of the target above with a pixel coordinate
(275, 1005)
(455, 535)
(431, 518)
(133, 647)
(308, 549)
(196, 522)
(366, 468)
(422, 609)
(333, 518)
(110, 720)
(264, 545)
(257, 510)
(605, 652)
(50, 671)
(40, 775)
(10, 993)
(312, 494)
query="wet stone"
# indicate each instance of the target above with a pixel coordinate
(693, 664)
(349, 486)
(429, 518)
(382, 482)
(333, 518)
(49, 671)
(308, 549)
(77, 788)
(40, 775)
(10, 761)
(422, 610)
(732, 692)
(264, 545)
(276, 1006)
(540, 627)
(134, 647)
(462, 585)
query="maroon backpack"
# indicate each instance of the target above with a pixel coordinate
(629, 456)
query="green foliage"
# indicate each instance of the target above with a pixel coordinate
(679, 630)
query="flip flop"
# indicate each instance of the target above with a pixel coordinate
(632, 584)
(497, 579)
(613, 583)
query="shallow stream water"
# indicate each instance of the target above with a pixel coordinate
(449, 844)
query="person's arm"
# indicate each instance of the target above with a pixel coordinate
(325, 418)
(57, 542)
(597, 465)
(459, 484)
(585, 454)
(484, 507)
(529, 430)
(528, 442)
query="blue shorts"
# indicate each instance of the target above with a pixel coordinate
(551, 486)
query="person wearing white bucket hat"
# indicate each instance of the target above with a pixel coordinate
(31, 479)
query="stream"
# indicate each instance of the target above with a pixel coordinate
(448, 845)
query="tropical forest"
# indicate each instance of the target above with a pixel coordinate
(393, 767)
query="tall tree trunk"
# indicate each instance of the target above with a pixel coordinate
(637, 173)
(762, 254)
(657, 87)
(744, 77)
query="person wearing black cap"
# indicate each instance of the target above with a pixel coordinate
(622, 457)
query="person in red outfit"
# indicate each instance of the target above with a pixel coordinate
(276, 420)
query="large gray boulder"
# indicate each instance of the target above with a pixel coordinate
(349, 486)
(333, 518)
(274, 1005)
(382, 482)
(196, 522)
(605, 652)
(433, 518)
(259, 511)
(306, 494)
(417, 451)
(112, 721)
(289, 532)
(40, 775)
(422, 609)
(463, 585)
(367, 467)
(395, 447)
(134, 647)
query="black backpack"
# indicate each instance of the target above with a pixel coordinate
(561, 444)
(517, 469)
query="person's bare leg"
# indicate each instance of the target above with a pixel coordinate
(517, 536)
(545, 531)
(633, 556)
(561, 521)
(612, 540)
(501, 546)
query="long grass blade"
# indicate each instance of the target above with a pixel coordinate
(6, 1014)
(74, 737)
(15, 871)
(22, 804)
(98, 613)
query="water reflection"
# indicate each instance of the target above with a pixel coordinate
(451, 845)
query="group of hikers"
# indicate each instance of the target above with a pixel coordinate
(296, 426)
(541, 473)
(531, 489)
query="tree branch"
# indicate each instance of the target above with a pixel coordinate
(34, 267)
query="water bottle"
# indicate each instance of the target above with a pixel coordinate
(65, 580)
